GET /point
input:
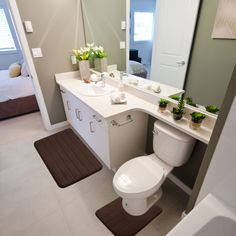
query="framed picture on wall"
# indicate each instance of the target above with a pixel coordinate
(225, 21)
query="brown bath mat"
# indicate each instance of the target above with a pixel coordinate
(120, 223)
(67, 158)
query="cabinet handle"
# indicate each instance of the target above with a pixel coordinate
(68, 105)
(97, 119)
(92, 129)
(78, 114)
(180, 63)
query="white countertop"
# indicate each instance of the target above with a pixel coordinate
(103, 106)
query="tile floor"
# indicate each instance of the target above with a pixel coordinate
(31, 203)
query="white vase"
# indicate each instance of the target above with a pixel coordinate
(100, 64)
(84, 70)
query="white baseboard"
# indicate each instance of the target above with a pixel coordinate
(180, 184)
(58, 125)
(183, 214)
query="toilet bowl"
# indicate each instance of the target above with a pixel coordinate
(138, 181)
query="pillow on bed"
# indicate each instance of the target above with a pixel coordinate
(24, 71)
(14, 70)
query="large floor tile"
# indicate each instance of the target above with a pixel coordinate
(149, 230)
(82, 220)
(17, 153)
(169, 218)
(19, 127)
(21, 214)
(53, 224)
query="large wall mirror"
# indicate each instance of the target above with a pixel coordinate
(166, 42)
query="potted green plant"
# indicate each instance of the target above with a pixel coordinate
(100, 59)
(196, 120)
(175, 97)
(179, 110)
(189, 101)
(212, 109)
(163, 104)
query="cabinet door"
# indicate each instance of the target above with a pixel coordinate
(81, 118)
(66, 98)
(98, 138)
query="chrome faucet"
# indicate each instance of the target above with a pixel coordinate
(102, 80)
(123, 74)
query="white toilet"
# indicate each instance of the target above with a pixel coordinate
(139, 180)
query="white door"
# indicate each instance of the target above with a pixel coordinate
(174, 29)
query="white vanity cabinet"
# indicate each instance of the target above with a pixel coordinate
(92, 128)
(89, 125)
(115, 140)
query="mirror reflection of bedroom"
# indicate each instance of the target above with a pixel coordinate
(142, 15)
(17, 95)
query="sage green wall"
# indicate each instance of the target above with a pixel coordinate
(102, 22)
(57, 29)
(212, 60)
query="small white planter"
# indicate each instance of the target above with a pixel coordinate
(100, 64)
(84, 70)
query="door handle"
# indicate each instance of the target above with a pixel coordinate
(180, 63)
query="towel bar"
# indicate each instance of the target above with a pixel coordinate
(115, 123)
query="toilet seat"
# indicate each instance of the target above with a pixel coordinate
(139, 177)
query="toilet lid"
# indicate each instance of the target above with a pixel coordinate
(138, 175)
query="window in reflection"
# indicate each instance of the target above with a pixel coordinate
(143, 26)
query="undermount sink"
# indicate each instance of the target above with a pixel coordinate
(94, 90)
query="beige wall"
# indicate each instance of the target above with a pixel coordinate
(212, 60)
(57, 29)
(102, 21)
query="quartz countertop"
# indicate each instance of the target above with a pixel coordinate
(103, 106)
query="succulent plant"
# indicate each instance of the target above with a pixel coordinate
(197, 117)
(212, 109)
(163, 102)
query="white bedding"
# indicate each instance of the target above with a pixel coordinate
(12, 88)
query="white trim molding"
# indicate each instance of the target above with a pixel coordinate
(28, 58)
(180, 184)
(127, 33)
(59, 125)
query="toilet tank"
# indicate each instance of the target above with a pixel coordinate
(171, 145)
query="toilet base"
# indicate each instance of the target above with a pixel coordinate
(137, 207)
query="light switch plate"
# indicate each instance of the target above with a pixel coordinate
(73, 60)
(28, 26)
(123, 25)
(37, 52)
(122, 45)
